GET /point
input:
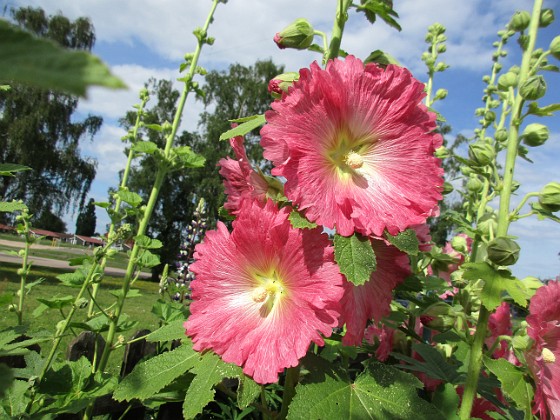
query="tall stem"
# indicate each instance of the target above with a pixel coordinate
(338, 29)
(475, 360)
(292, 379)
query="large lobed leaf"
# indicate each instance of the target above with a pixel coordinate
(43, 64)
(355, 257)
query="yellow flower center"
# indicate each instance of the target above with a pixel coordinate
(548, 356)
(268, 291)
(259, 294)
(354, 160)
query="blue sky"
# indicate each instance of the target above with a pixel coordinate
(140, 39)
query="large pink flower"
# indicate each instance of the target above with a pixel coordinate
(372, 300)
(241, 181)
(543, 358)
(264, 292)
(356, 145)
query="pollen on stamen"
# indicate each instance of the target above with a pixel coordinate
(259, 294)
(548, 356)
(354, 160)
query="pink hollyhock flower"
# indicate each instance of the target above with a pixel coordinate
(372, 300)
(383, 336)
(241, 181)
(500, 324)
(543, 358)
(355, 145)
(263, 292)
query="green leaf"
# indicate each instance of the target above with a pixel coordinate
(380, 392)
(210, 370)
(170, 311)
(161, 371)
(15, 400)
(6, 299)
(406, 241)
(6, 378)
(74, 279)
(496, 283)
(154, 127)
(380, 8)
(147, 147)
(247, 391)
(514, 382)
(244, 128)
(188, 158)
(130, 198)
(11, 206)
(446, 401)
(146, 242)
(57, 302)
(8, 169)
(355, 257)
(147, 260)
(382, 58)
(172, 331)
(42, 63)
(299, 221)
(545, 111)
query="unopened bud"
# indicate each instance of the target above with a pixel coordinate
(501, 135)
(535, 134)
(459, 244)
(439, 316)
(441, 94)
(281, 83)
(507, 80)
(555, 47)
(481, 153)
(299, 35)
(546, 18)
(488, 224)
(442, 152)
(520, 21)
(474, 185)
(549, 197)
(533, 88)
(503, 251)
(447, 188)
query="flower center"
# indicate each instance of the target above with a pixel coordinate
(267, 292)
(548, 356)
(354, 160)
(259, 294)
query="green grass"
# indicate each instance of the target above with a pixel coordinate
(138, 308)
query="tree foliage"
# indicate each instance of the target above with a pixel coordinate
(237, 92)
(87, 220)
(39, 130)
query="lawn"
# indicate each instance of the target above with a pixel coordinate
(137, 308)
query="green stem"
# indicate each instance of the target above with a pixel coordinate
(338, 29)
(292, 379)
(24, 270)
(475, 360)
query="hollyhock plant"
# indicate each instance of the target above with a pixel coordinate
(372, 300)
(500, 324)
(543, 358)
(241, 181)
(355, 145)
(263, 292)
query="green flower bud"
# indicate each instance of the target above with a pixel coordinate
(441, 94)
(534, 88)
(474, 185)
(546, 18)
(515, 185)
(486, 78)
(520, 21)
(441, 48)
(459, 244)
(535, 134)
(465, 170)
(457, 279)
(439, 316)
(281, 83)
(555, 47)
(523, 41)
(299, 35)
(549, 197)
(481, 153)
(501, 135)
(442, 152)
(507, 80)
(503, 251)
(490, 116)
(447, 188)
(488, 224)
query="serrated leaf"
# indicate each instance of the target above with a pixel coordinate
(496, 283)
(210, 370)
(172, 331)
(406, 241)
(188, 158)
(146, 242)
(147, 260)
(74, 279)
(131, 198)
(6, 378)
(299, 221)
(380, 392)
(514, 382)
(147, 147)
(11, 206)
(73, 262)
(355, 257)
(15, 401)
(150, 376)
(170, 311)
(247, 391)
(244, 128)
(42, 63)
(380, 8)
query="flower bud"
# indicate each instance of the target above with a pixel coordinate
(507, 80)
(535, 134)
(465, 170)
(457, 279)
(299, 35)
(501, 135)
(488, 224)
(481, 153)
(439, 316)
(549, 197)
(523, 41)
(459, 244)
(447, 188)
(441, 94)
(520, 21)
(474, 185)
(281, 83)
(533, 88)
(442, 152)
(555, 47)
(503, 251)
(490, 116)
(546, 18)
